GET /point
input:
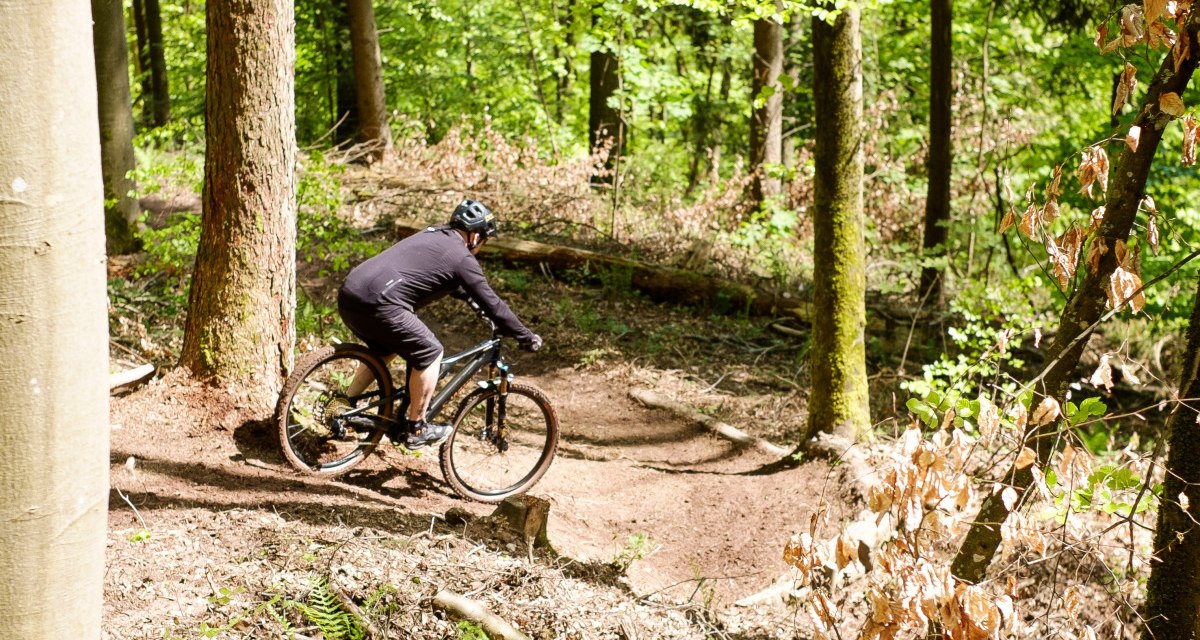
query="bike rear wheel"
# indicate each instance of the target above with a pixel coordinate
(483, 462)
(322, 429)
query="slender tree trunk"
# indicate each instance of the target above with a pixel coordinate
(1127, 188)
(937, 202)
(766, 121)
(563, 83)
(838, 401)
(54, 323)
(142, 59)
(605, 126)
(116, 124)
(161, 105)
(1173, 593)
(368, 79)
(240, 326)
(791, 68)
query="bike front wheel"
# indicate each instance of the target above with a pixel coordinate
(323, 428)
(501, 446)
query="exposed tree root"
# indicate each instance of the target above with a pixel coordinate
(469, 609)
(651, 399)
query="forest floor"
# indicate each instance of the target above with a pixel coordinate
(659, 526)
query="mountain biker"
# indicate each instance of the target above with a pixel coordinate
(380, 298)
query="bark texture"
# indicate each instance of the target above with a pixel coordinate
(241, 327)
(53, 325)
(160, 103)
(1173, 593)
(115, 105)
(839, 402)
(766, 121)
(605, 126)
(937, 202)
(368, 79)
(1127, 187)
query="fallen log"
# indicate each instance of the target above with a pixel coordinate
(130, 376)
(661, 283)
(464, 607)
(729, 432)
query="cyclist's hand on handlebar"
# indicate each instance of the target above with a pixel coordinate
(532, 344)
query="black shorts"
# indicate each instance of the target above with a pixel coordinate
(395, 330)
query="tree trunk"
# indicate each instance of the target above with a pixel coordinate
(766, 121)
(53, 314)
(1126, 189)
(368, 79)
(161, 103)
(240, 326)
(1173, 592)
(937, 202)
(142, 62)
(116, 124)
(838, 402)
(605, 126)
(348, 122)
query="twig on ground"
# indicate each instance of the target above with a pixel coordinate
(475, 612)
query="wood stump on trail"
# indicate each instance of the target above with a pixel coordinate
(521, 518)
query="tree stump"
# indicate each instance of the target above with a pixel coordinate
(527, 517)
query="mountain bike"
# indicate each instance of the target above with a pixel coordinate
(504, 437)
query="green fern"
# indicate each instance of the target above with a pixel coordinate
(324, 610)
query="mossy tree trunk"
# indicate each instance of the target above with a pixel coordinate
(368, 79)
(240, 326)
(839, 401)
(1173, 593)
(766, 119)
(116, 124)
(53, 325)
(1127, 188)
(937, 201)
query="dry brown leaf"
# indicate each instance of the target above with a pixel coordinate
(1054, 189)
(1101, 36)
(1133, 24)
(989, 420)
(1171, 104)
(1031, 220)
(847, 551)
(1009, 497)
(1124, 288)
(1102, 376)
(1066, 258)
(1020, 416)
(1050, 212)
(1125, 87)
(1096, 218)
(1153, 9)
(1064, 463)
(1037, 342)
(1181, 51)
(1191, 130)
(1152, 237)
(1160, 35)
(1009, 221)
(1132, 138)
(1047, 411)
(1088, 633)
(1184, 502)
(1025, 458)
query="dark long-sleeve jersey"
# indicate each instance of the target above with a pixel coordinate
(422, 268)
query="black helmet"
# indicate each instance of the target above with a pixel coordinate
(473, 217)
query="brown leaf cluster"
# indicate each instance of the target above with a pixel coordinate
(1191, 130)
(1093, 169)
(1124, 287)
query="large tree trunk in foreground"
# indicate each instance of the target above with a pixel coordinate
(1126, 191)
(54, 325)
(605, 126)
(240, 326)
(368, 79)
(116, 124)
(1173, 593)
(937, 202)
(838, 402)
(766, 120)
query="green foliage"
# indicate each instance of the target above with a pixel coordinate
(636, 548)
(325, 611)
(987, 317)
(468, 630)
(141, 535)
(323, 235)
(170, 158)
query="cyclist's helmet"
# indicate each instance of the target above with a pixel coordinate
(473, 217)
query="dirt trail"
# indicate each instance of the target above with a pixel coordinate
(622, 470)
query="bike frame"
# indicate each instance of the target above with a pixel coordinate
(485, 353)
